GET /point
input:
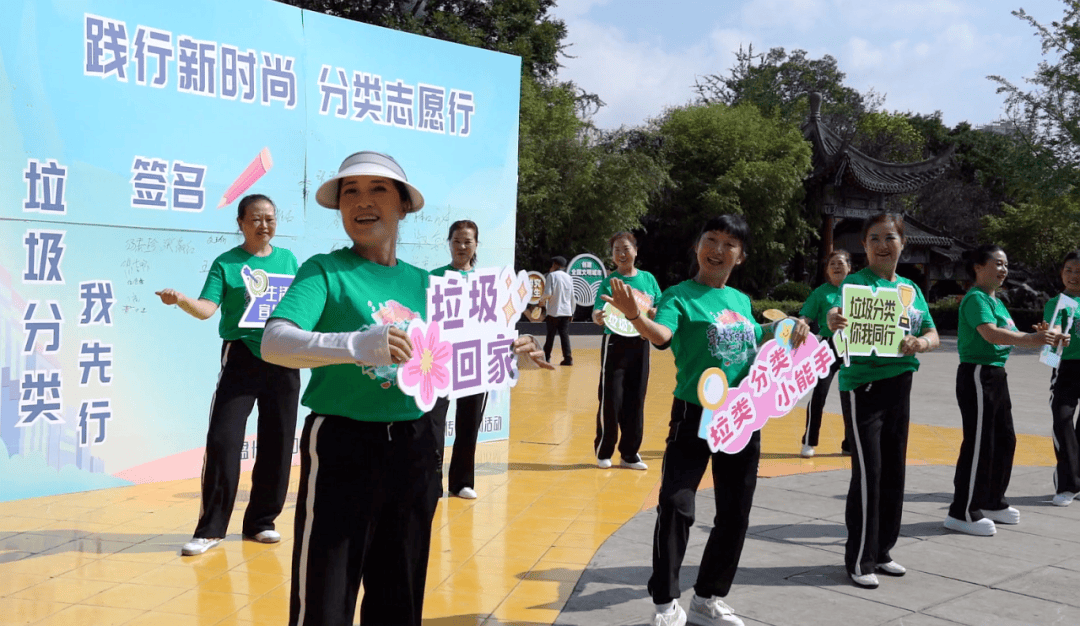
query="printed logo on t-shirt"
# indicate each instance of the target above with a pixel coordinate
(392, 313)
(262, 293)
(731, 338)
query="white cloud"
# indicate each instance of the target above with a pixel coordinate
(639, 79)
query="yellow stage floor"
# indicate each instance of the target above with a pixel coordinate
(512, 556)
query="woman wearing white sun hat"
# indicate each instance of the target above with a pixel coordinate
(369, 479)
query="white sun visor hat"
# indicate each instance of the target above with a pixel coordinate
(367, 163)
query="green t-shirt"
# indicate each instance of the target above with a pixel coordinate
(343, 292)
(1072, 352)
(867, 369)
(710, 328)
(441, 271)
(226, 287)
(978, 308)
(817, 307)
(642, 281)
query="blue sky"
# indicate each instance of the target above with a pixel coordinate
(641, 56)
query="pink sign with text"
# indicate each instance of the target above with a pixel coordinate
(778, 379)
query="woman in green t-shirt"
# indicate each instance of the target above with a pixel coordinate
(881, 411)
(369, 457)
(252, 270)
(464, 237)
(1065, 386)
(816, 309)
(624, 363)
(984, 338)
(707, 324)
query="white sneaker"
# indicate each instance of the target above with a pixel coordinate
(892, 568)
(711, 612)
(982, 528)
(266, 536)
(1008, 515)
(1064, 498)
(807, 451)
(198, 545)
(637, 465)
(869, 581)
(468, 493)
(603, 463)
(676, 617)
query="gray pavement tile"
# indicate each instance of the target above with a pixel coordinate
(998, 607)
(917, 619)
(914, 591)
(818, 533)
(1049, 583)
(763, 519)
(794, 604)
(1012, 542)
(798, 503)
(952, 558)
(792, 571)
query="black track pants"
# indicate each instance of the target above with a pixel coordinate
(984, 466)
(624, 380)
(1064, 394)
(244, 381)
(368, 493)
(875, 501)
(734, 480)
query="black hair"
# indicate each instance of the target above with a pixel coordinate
(246, 201)
(1071, 255)
(403, 192)
(458, 225)
(979, 256)
(730, 223)
(896, 219)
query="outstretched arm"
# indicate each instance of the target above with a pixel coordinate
(622, 298)
(199, 309)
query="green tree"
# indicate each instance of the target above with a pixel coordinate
(1049, 114)
(778, 83)
(1037, 234)
(889, 137)
(725, 159)
(576, 186)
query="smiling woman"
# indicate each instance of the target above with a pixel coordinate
(370, 459)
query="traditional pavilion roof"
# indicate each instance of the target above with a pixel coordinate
(920, 234)
(837, 162)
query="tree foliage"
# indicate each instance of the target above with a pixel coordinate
(1037, 234)
(519, 27)
(778, 83)
(725, 159)
(889, 137)
(1049, 114)
(576, 186)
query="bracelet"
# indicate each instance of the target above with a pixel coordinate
(630, 319)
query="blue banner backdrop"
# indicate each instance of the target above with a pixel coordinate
(126, 125)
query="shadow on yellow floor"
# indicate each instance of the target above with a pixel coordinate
(512, 556)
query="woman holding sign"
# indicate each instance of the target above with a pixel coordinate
(881, 408)
(707, 324)
(469, 410)
(816, 309)
(1065, 385)
(236, 280)
(624, 360)
(369, 471)
(985, 336)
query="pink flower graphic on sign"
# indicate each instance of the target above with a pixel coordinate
(427, 367)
